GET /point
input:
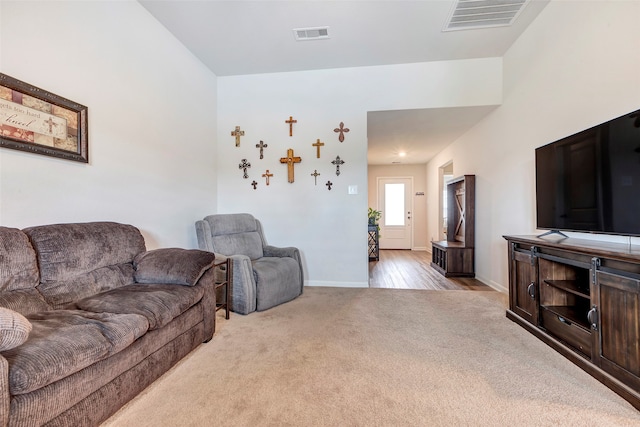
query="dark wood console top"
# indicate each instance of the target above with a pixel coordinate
(619, 251)
(447, 244)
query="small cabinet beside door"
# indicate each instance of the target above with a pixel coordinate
(454, 257)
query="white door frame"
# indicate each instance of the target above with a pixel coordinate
(408, 202)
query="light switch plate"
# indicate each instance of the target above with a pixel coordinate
(353, 189)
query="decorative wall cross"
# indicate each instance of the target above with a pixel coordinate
(237, 133)
(290, 160)
(261, 146)
(337, 162)
(318, 145)
(315, 175)
(291, 121)
(244, 165)
(267, 175)
(342, 130)
(254, 184)
(329, 184)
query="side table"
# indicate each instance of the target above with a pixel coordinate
(374, 247)
(224, 281)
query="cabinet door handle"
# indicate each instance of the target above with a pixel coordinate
(531, 290)
(592, 318)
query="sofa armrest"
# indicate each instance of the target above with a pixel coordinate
(14, 330)
(208, 282)
(172, 266)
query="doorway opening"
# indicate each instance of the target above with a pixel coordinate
(445, 174)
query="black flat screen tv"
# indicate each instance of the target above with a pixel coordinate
(590, 181)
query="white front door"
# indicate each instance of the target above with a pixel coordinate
(394, 200)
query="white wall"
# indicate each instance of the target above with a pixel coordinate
(419, 241)
(329, 227)
(576, 66)
(152, 120)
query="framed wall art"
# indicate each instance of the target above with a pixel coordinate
(37, 121)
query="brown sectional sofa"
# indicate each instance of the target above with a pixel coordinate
(89, 318)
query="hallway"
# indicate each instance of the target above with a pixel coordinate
(406, 269)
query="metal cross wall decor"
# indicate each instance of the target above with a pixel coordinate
(318, 145)
(315, 175)
(267, 175)
(341, 130)
(261, 146)
(237, 133)
(254, 184)
(337, 162)
(329, 184)
(290, 160)
(244, 165)
(291, 121)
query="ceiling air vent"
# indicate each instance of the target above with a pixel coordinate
(315, 33)
(470, 14)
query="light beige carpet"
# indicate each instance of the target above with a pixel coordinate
(377, 357)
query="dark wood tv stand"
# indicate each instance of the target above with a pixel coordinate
(582, 298)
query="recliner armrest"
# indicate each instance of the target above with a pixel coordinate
(243, 284)
(272, 251)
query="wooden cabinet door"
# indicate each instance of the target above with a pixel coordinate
(617, 300)
(523, 295)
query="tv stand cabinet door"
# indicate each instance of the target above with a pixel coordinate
(618, 304)
(523, 286)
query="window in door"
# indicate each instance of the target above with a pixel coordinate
(394, 204)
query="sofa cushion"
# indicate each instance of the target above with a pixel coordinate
(19, 267)
(69, 250)
(61, 293)
(14, 329)
(158, 303)
(24, 301)
(82, 259)
(65, 341)
(172, 266)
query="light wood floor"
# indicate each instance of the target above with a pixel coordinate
(405, 269)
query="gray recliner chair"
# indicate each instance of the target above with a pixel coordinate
(263, 276)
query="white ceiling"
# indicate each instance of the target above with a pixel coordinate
(250, 37)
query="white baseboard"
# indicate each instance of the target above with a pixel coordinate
(420, 248)
(336, 284)
(492, 284)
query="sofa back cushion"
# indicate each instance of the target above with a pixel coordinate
(18, 265)
(24, 301)
(236, 234)
(19, 273)
(82, 259)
